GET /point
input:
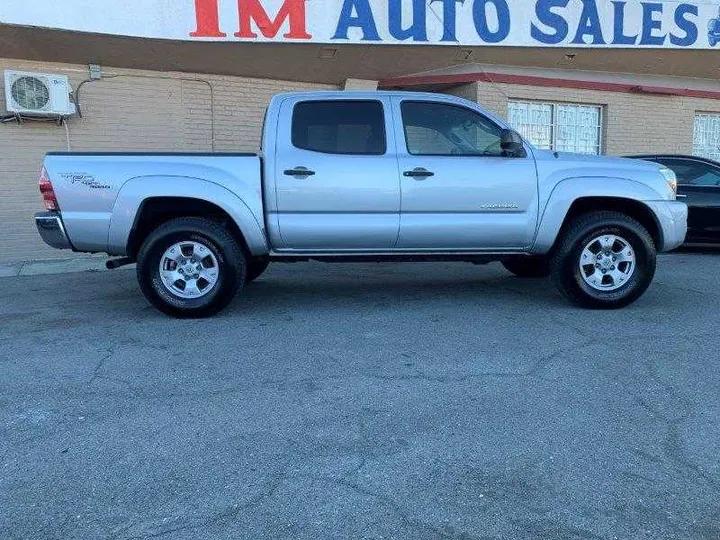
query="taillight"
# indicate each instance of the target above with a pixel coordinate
(47, 191)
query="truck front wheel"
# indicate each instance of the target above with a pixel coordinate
(605, 260)
(191, 268)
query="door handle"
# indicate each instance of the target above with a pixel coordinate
(418, 173)
(299, 171)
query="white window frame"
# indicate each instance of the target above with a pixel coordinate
(554, 123)
(710, 151)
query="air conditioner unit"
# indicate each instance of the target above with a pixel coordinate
(38, 94)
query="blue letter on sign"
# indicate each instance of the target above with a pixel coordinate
(619, 37)
(481, 23)
(589, 24)
(650, 24)
(687, 26)
(449, 18)
(418, 30)
(364, 20)
(543, 10)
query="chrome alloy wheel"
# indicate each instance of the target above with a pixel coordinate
(189, 270)
(607, 262)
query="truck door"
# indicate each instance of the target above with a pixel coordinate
(459, 191)
(335, 174)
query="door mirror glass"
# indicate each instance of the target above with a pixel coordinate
(512, 144)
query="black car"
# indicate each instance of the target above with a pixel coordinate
(699, 186)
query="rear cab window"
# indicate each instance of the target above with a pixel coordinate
(351, 127)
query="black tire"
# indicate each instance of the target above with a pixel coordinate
(565, 263)
(256, 268)
(228, 253)
(528, 267)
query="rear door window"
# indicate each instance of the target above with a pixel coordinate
(340, 127)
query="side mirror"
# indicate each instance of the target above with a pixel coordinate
(512, 144)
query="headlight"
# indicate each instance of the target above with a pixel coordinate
(670, 178)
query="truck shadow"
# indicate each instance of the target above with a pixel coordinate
(274, 295)
(284, 291)
(700, 249)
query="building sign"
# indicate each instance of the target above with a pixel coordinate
(693, 24)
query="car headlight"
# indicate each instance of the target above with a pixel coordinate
(670, 178)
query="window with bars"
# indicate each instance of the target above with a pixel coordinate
(706, 138)
(565, 127)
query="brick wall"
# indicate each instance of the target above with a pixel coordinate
(132, 111)
(494, 100)
(633, 123)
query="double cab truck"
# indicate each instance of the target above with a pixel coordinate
(366, 176)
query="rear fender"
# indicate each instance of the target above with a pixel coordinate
(570, 190)
(137, 190)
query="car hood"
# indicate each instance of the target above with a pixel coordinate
(578, 160)
(554, 167)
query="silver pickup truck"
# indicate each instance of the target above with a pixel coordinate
(366, 176)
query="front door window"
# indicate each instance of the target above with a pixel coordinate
(438, 129)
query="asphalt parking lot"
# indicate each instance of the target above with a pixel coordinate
(413, 401)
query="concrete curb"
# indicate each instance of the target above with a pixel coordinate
(56, 266)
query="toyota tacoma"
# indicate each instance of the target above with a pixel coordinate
(366, 176)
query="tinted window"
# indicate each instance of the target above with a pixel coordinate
(693, 173)
(449, 130)
(339, 127)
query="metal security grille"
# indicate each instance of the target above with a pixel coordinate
(534, 121)
(706, 139)
(564, 127)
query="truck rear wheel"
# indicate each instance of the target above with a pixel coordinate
(528, 267)
(605, 260)
(191, 268)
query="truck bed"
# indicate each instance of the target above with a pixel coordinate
(100, 193)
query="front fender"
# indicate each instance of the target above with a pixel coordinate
(139, 189)
(567, 191)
